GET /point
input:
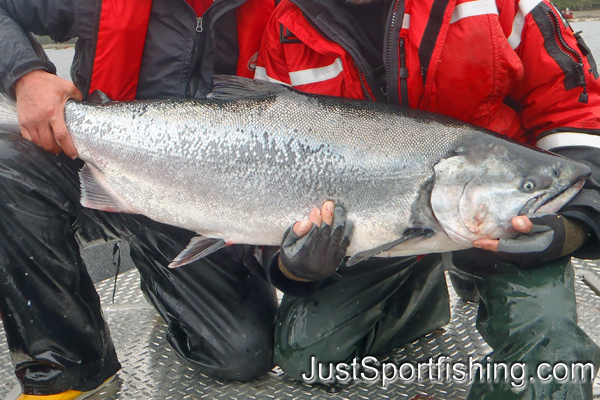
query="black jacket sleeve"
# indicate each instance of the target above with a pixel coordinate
(585, 206)
(61, 20)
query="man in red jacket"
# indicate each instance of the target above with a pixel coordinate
(514, 67)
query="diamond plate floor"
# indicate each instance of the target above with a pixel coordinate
(151, 370)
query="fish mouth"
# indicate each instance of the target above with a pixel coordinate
(551, 202)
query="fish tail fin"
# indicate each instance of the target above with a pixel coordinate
(8, 115)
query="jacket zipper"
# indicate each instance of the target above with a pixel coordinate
(395, 46)
(570, 53)
(403, 74)
(199, 29)
(194, 53)
(216, 10)
(362, 84)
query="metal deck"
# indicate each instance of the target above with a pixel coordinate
(151, 370)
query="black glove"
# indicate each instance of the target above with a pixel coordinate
(319, 253)
(552, 236)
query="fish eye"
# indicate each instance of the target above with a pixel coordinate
(528, 186)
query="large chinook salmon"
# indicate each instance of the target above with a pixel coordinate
(243, 165)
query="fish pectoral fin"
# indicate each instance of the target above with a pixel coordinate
(197, 248)
(409, 233)
(97, 194)
(228, 87)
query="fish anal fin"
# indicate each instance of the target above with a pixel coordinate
(96, 194)
(197, 248)
(409, 233)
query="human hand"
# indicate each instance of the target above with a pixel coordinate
(545, 237)
(41, 99)
(521, 223)
(313, 249)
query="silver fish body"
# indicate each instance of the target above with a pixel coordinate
(243, 167)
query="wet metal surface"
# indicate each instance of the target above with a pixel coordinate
(151, 370)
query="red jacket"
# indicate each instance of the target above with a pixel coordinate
(512, 67)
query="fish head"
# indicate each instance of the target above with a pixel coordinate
(482, 185)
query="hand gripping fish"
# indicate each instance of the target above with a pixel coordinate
(253, 158)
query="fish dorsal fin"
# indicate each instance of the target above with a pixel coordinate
(408, 234)
(98, 97)
(197, 248)
(227, 87)
(96, 194)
